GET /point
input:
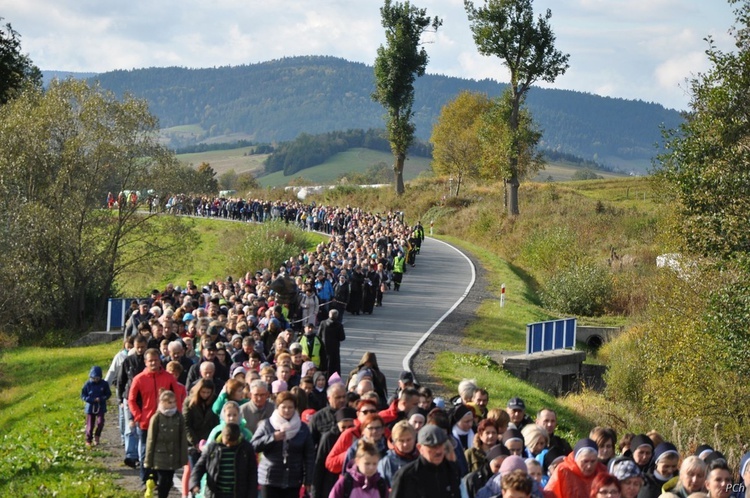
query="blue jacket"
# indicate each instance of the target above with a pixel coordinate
(93, 390)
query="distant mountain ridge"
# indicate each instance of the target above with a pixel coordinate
(279, 99)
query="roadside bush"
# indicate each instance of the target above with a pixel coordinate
(583, 288)
(548, 250)
(270, 246)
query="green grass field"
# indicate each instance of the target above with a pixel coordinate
(561, 171)
(240, 160)
(357, 160)
(42, 451)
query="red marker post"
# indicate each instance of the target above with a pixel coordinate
(502, 295)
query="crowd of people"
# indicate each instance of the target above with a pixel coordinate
(239, 384)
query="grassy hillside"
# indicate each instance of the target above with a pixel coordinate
(354, 160)
(42, 450)
(562, 171)
(357, 160)
(270, 101)
(240, 160)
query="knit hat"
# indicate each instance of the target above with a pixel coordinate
(513, 462)
(278, 386)
(346, 413)
(664, 450)
(585, 444)
(335, 378)
(365, 372)
(624, 468)
(306, 367)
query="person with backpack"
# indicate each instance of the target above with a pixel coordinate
(361, 478)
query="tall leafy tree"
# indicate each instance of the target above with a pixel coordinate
(61, 152)
(697, 332)
(706, 165)
(500, 145)
(398, 63)
(16, 69)
(507, 29)
(455, 137)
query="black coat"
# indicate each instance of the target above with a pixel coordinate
(323, 479)
(421, 479)
(245, 470)
(356, 284)
(131, 366)
(331, 332)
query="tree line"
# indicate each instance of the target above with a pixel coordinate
(310, 150)
(280, 99)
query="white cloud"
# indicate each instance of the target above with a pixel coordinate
(625, 48)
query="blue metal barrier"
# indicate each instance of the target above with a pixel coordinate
(116, 309)
(551, 335)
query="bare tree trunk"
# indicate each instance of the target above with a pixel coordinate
(398, 168)
(513, 183)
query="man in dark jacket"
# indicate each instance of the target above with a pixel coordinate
(208, 353)
(143, 315)
(331, 332)
(239, 479)
(430, 475)
(323, 480)
(324, 420)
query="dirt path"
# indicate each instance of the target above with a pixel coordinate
(443, 338)
(114, 456)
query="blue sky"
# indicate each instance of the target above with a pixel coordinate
(633, 49)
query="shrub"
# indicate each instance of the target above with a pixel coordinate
(547, 250)
(582, 288)
(269, 247)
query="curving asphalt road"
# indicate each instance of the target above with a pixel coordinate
(430, 291)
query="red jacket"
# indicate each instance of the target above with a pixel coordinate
(568, 482)
(143, 399)
(391, 415)
(337, 455)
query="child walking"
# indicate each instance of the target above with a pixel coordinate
(229, 466)
(166, 443)
(361, 479)
(95, 393)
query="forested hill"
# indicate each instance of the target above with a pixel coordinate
(279, 99)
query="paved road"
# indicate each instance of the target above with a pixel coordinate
(442, 278)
